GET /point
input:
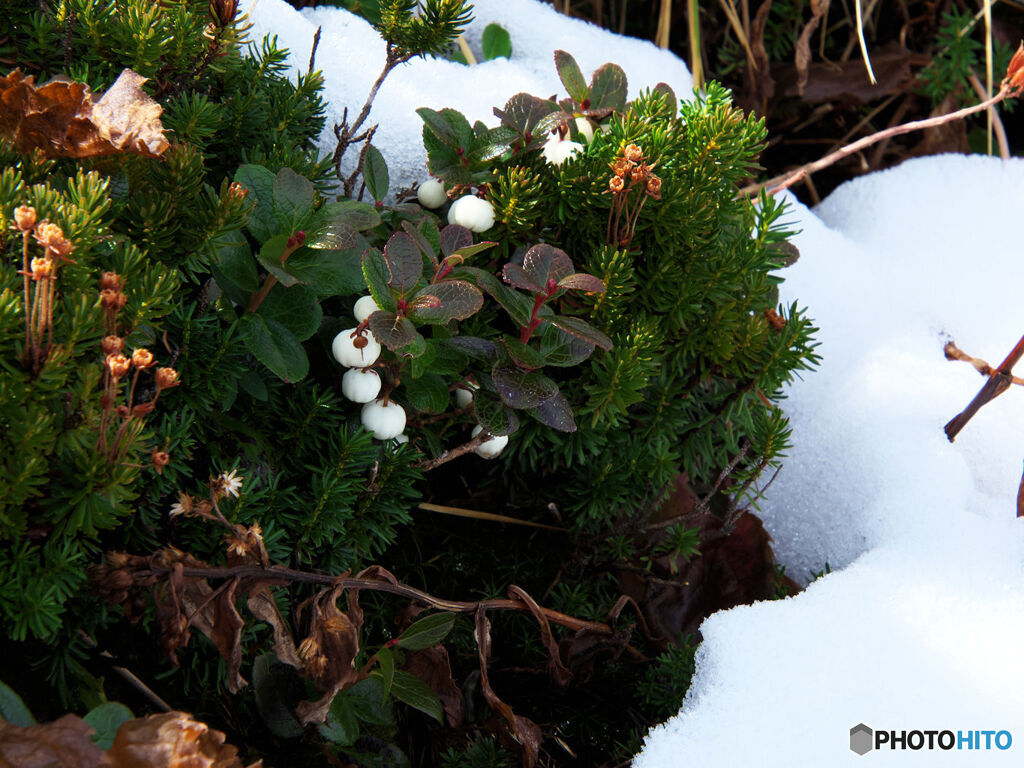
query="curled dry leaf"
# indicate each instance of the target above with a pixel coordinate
(524, 732)
(556, 667)
(64, 743)
(171, 740)
(329, 652)
(61, 118)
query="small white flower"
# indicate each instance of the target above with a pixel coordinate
(231, 483)
(472, 213)
(556, 151)
(182, 506)
(431, 194)
(490, 447)
(364, 307)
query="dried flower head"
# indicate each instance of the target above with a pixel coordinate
(654, 187)
(25, 218)
(616, 184)
(621, 167)
(111, 299)
(775, 320)
(227, 484)
(166, 378)
(111, 281)
(48, 233)
(42, 268)
(143, 358)
(639, 173)
(112, 345)
(159, 460)
(118, 365)
(245, 541)
(633, 153)
(184, 506)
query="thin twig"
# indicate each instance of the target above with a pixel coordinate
(454, 453)
(998, 382)
(793, 177)
(312, 52)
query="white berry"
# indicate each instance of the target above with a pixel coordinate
(472, 213)
(364, 307)
(385, 421)
(360, 385)
(490, 447)
(403, 438)
(464, 396)
(557, 151)
(345, 351)
(586, 128)
(431, 194)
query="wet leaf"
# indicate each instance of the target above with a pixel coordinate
(392, 331)
(556, 413)
(455, 300)
(541, 263)
(493, 415)
(477, 348)
(520, 389)
(561, 349)
(426, 632)
(61, 118)
(582, 330)
(523, 355)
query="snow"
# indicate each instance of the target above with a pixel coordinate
(919, 625)
(351, 56)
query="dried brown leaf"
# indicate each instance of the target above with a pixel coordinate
(64, 743)
(556, 667)
(432, 666)
(171, 740)
(819, 9)
(62, 119)
(263, 606)
(329, 653)
(524, 732)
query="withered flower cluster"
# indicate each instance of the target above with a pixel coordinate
(39, 281)
(632, 181)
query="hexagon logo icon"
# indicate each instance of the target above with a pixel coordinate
(861, 738)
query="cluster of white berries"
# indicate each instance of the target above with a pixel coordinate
(358, 350)
(468, 211)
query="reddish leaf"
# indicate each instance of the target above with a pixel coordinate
(61, 119)
(581, 329)
(392, 331)
(404, 262)
(581, 281)
(454, 237)
(522, 389)
(448, 300)
(556, 413)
